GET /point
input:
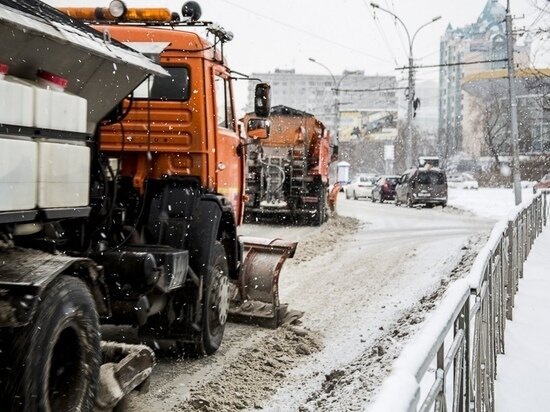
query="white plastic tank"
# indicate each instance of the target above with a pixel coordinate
(56, 109)
(343, 172)
(18, 173)
(63, 174)
(16, 100)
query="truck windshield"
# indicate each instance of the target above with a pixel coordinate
(175, 87)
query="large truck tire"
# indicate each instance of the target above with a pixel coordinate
(57, 357)
(321, 214)
(215, 304)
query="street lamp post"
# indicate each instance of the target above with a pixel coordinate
(513, 107)
(336, 90)
(335, 86)
(410, 97)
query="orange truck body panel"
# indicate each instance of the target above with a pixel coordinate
(180, 138)
(287, 174)
(288, 131)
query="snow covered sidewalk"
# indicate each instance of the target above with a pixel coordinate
(523, 374)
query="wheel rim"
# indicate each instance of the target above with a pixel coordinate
(219, 300)
(67, 371)
(223, 302)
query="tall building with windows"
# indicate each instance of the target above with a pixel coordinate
(314, 93)
(480, 41)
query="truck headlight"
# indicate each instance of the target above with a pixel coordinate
(117, 9)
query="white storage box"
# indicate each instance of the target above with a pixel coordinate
(18, 174)
(63, 174)
(16, 100)
(56, 109)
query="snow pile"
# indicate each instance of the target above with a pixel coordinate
(250, 379)
(323, 241)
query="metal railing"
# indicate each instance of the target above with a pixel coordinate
(451, 364)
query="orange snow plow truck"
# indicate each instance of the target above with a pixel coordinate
(121, 190)
(287, 174)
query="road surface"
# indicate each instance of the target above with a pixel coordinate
(364, 280)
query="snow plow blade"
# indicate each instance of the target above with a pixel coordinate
(255, 299)
(125, 368)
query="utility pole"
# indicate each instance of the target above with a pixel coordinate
(410, 97)
(513, 106)
(410, 103)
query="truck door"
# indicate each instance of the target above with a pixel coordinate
(229, 165)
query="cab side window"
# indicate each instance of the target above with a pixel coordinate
(404, 178)
(174, 88)
(224, 108)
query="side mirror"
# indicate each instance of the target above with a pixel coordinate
(262, 100)
(258, 128)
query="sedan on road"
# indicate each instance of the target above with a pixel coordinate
(384, 188)
(361, 186)
(462, 181)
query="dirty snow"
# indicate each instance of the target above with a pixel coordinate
(366, 280)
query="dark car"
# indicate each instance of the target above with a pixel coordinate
(384, 188)
(426, 186)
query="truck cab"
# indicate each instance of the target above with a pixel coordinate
(186, 122)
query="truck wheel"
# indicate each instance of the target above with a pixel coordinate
(57, 357)
(354, 195)
(215, 304)
(322, 209)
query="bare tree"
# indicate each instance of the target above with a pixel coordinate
(491, 114)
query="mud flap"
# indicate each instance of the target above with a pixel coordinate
(255, 298)
(125, 368)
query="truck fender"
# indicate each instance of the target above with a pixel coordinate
(25, 273)
(213, 220)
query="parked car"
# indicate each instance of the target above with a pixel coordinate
(543, 183)
(384, 188)
(422, 186)
(361, 186)
(462, 181)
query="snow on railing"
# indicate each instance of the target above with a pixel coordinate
(451, 363)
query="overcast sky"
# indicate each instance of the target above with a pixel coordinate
(342, 34)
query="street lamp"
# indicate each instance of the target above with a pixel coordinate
(410, 87)
(336, 90)
(513, 106)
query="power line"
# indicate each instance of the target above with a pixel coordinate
(380, 89)
(381, 31)
(451, 64)
(538, 17)
(298, 29)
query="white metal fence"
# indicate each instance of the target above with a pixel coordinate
(451, 363)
